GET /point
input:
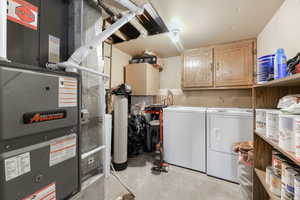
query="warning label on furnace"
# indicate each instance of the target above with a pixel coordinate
(54, 49)
(17, 166)
(67, 96)
(63, 149)
(47, 193)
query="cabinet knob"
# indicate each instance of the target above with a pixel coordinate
(218, 66)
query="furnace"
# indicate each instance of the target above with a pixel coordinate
(39, 129)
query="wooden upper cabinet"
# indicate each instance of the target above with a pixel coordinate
(234, 64)
(198, 68)
(143, 78)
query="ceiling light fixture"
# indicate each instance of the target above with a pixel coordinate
(174, 35)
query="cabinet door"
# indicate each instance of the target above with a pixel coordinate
(143, 79)
(136, 77)
(234, 64)
(198, 68)
(153, 80)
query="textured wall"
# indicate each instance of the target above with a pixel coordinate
(119, 61)
(172, 68)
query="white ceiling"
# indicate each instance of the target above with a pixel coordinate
(204, 22)
(161, 44)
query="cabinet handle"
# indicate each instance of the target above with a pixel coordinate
(218, 66)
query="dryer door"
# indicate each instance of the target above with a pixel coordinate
(225, 130)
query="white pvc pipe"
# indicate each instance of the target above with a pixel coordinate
(77, 67)
(3, 29)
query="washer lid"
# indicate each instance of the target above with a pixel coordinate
(231, 111)
(184, 109)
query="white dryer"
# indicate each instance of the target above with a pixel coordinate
(226, 126)
(184, 137)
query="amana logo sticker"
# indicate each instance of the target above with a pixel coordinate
(35, 117)
(25, 14)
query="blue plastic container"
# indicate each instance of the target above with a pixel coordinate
(280, 68)
(266, 68)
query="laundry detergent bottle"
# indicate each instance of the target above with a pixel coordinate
(280, 67)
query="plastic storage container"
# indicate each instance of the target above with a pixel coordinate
(265, 68)
(297, 139)
(272, 123)
(260, 123)
(287, 132)
(280, 67)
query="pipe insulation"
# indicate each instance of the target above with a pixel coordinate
(3, 29)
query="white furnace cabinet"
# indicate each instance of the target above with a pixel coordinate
(184, 137)
(225, 127)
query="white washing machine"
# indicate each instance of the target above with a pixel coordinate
(226, 126)
(185, 138)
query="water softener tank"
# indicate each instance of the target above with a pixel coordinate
(120, 132)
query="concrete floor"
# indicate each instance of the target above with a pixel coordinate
(178, 184)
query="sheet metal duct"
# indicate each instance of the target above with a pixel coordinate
(94, 4)
(3, 29)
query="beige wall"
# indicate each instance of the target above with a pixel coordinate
(170, 78)
(283, 31)
(119, 61)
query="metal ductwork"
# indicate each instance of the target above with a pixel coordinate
(106, 8)
(123, 5)
(3, 30)
(73, 63)
(94, 4)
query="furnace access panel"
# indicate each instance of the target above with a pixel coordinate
(39, 125)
